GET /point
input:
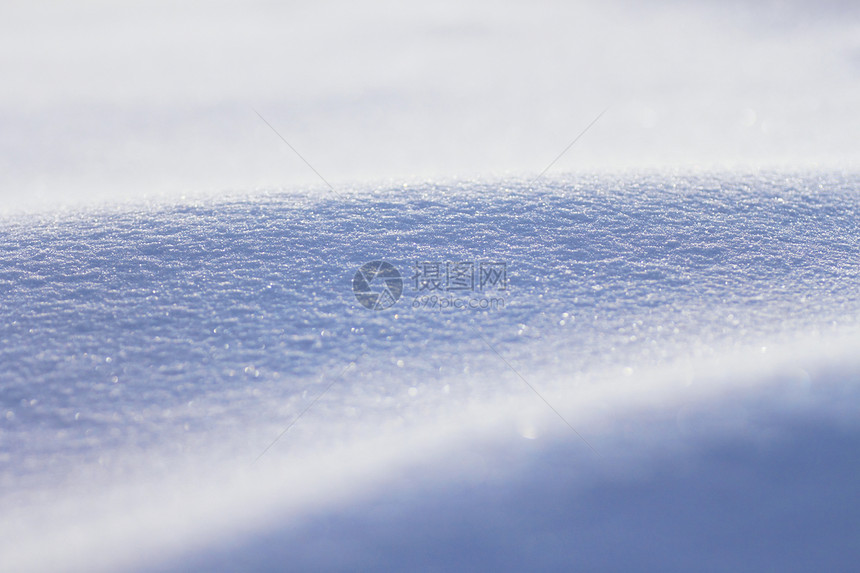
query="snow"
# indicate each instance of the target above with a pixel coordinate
(111, 102)
(697, 332)
(648, 361)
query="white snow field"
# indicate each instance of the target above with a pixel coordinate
(110, 100)
(690, 343)
(648, 363)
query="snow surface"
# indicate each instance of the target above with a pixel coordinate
(698, 332)
(111, 100)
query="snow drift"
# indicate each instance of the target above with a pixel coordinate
(697, 334)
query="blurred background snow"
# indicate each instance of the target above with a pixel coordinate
(111, 100)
